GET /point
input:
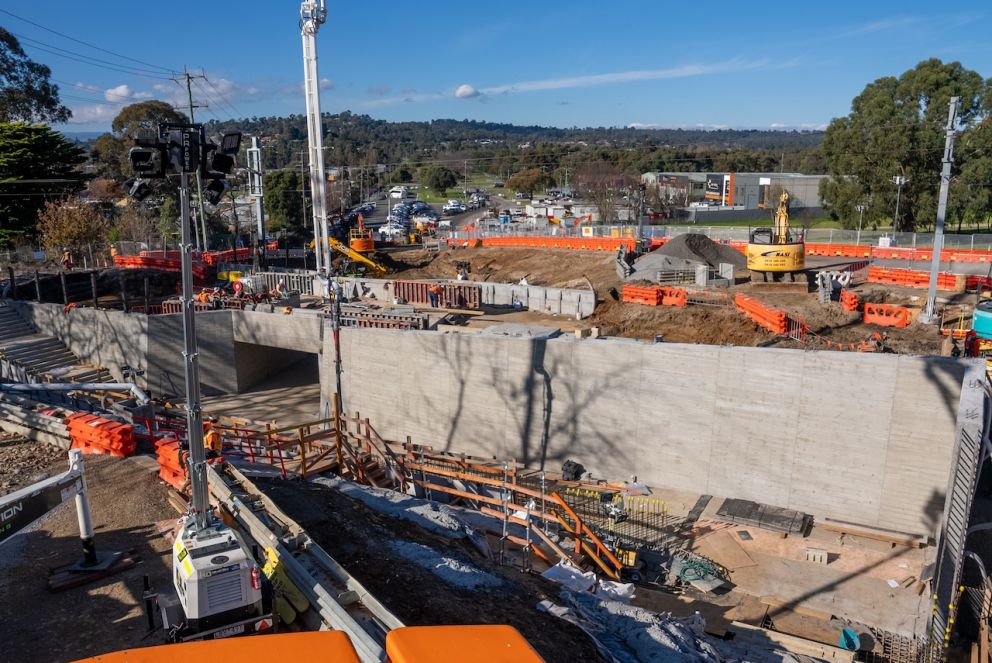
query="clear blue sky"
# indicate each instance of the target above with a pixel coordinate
(576, 63)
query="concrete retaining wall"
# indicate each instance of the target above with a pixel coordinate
(857, 437)
(560, 301)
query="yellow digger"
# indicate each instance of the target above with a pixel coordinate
(374, 268)
(777, 253)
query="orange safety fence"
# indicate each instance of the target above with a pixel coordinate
(95, 435)
(200, 272)
(946, 255)
(849, 301)
(917, 279)
(580, 243)
(885, 315)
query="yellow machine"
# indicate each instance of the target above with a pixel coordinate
(776, 253)
(375, 269)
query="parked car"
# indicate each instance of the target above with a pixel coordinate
(454, 207)
(392, 231)
(444, 224)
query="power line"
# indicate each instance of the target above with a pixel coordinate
(229, 104)
(87, 61)
(84, 43)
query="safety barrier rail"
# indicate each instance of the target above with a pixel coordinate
(301, 283)
(838, 250)
(200, 272)
(96, 435)
(885, 315)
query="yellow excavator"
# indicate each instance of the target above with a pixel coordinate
(374, 268)
(777, 253)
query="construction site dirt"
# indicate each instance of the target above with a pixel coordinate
(362, 540)
(714, 325)
(127, 500)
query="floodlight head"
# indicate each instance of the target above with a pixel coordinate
(222, 163)
(146, 161)
(216, 190)
(230, 143)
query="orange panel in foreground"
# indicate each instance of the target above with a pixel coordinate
(459, 644)
(312, 646)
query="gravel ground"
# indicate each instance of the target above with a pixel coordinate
(23, 462)
(126, 500)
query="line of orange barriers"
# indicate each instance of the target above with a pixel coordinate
(885, 315)
(655, 295)
(917, 279)
(772, 319)
(95, 435)
(580, 243)
(200, 272)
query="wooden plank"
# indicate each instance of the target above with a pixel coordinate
(793, 644)
(722, 548)
(889, 536)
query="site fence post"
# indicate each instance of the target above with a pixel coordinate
(93, 288)
(123, 284)
(37, 286)
(337, 433)
(303, 452)
(148, 299)
(65, 291)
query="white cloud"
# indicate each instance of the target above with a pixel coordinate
(119, 93)
(326, 84)
(92, 113)
(894, 23)
(466, 92)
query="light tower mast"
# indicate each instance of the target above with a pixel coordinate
(313, 13)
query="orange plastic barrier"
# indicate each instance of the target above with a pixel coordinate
(771, 319)
(171, 468)
(200, 272)
(885, 315)
(95, 435)
(231, 255)
(946, 255)
(673, 296)
(649, 295)
(579, 243)
(849, 301)
(845, 250)
(917, 279)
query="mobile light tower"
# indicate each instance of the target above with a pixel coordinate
(312, 16)
(217, 582)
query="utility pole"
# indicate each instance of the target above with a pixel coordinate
(188, 78)
(929, 315)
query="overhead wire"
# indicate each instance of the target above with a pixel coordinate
(96, 63)
(85, 43)
(223, 99)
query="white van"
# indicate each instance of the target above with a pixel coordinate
(397, 192)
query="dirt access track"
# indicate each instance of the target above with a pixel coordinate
(126, 501)
(562, 268)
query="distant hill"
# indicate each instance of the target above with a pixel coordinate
(82, 136)
(360, 139)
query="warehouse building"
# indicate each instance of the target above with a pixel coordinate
(737, 194)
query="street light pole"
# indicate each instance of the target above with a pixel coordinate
(898, 180)
(929, 315)
(861, 220)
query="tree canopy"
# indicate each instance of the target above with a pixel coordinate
(26, 92)
(109, 151)
(896, 128)
(437, 177)
(36, 164)
(528, 181)
(283, 201)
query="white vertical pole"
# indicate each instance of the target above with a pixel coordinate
(929, 315)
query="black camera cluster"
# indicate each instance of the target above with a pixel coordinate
(182, 148)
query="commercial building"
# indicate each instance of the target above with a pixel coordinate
(707, 193)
